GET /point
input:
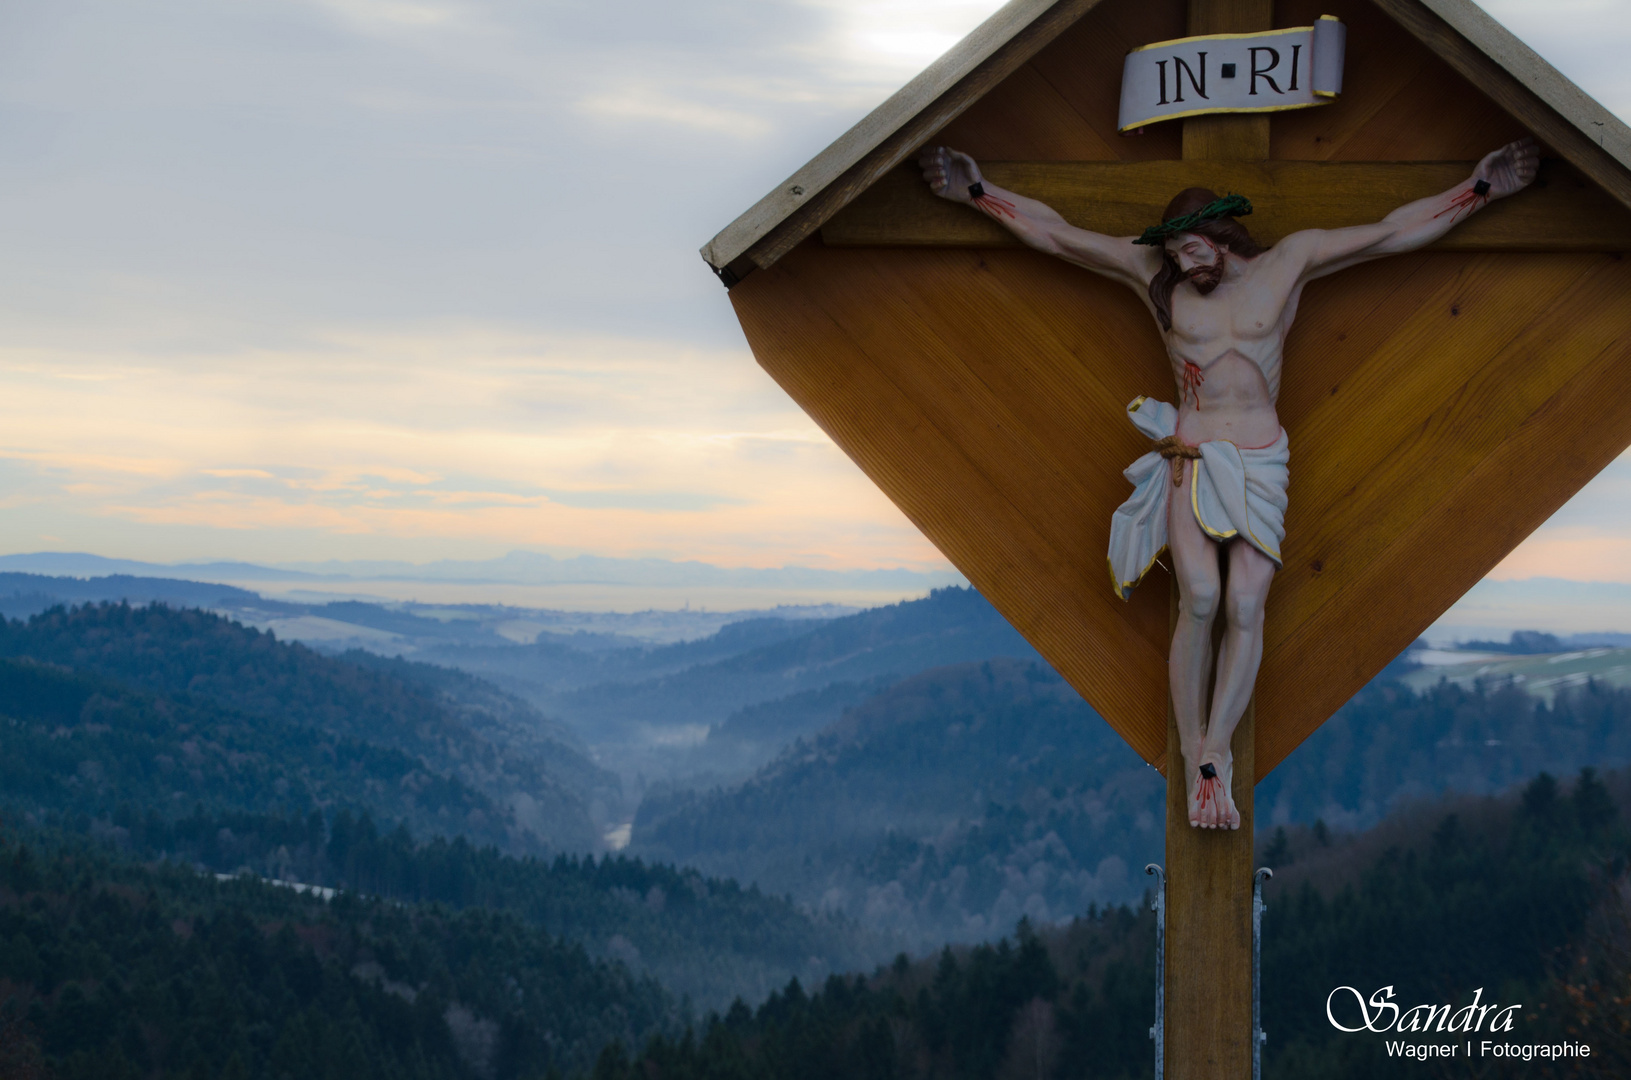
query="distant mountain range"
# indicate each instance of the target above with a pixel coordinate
(516, 568)
(652, 710)
(22, 595)
(1493, 609)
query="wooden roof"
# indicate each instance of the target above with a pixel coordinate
(1584, 133)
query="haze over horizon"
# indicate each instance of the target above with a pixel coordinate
(299, 280)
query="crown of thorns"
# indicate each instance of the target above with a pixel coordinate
(1228, 206)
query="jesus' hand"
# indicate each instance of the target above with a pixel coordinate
(950, 173)
(1510, 169)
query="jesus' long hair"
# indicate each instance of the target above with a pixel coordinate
(1225, 232)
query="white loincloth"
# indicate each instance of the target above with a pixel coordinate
(1234, 492)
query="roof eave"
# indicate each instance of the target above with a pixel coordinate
(797, 190)
(1590, 136)
(1542, 79)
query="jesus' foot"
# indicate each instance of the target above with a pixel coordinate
(1210, 804)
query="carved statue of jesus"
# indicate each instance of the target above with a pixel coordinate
(1214, 486)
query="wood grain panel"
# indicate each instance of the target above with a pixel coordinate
(1029, 426)
(1106, 331)
(1052, 400)
(1562, 212)
(1547, 457)
(1419, 416)
(1448, 344)
(971, 347)
(1027, 118)
(1084, 64)
(893, 438)
(1082, 67)
(1399, 101)
(1381, 60)
(881, 320)
(1345, 318)
(1060, 601)
(1436, 112)
(1226, 138)
(1102, 324)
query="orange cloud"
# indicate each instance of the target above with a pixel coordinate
(494, 441)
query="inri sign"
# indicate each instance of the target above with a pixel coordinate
(1233, 73)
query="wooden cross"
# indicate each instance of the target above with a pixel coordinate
(1440, 405)
(1208, 908)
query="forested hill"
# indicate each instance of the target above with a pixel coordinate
(949, 626)
(22, 595)
(945, 807)
(555, 664)
(84, 748)
(230, 750)
(662, 712)
(114, 971)
(1523, 899)
(122, 971)
(952, 803)
(1391, 744)
(185, 779)
(704, 938)
(543, 787)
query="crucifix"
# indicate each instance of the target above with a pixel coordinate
(1225, 306)
(1442, 402)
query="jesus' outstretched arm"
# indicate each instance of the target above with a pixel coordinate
(1504, 172)
(954, 175)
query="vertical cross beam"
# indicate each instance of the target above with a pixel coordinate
(1209, 871)
(1228, 138)
(1209, 926)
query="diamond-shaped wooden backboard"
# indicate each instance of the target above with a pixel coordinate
(1440, 405)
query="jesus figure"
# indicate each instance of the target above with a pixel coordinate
(1214, 486)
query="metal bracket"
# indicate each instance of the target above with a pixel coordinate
(1158, 1030)
(1258, 907)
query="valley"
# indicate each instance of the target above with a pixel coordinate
(723, 811)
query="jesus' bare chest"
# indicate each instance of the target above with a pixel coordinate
(1244, 318)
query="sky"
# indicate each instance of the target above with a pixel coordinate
(414, 279)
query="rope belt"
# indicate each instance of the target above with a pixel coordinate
(1176, 450)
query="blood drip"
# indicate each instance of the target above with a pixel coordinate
(1207, 793)
(1193, 377)
(994, 206)
(1464, 203)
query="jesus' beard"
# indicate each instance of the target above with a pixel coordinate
(1206, 278)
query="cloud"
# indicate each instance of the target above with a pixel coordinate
(200, 174)
(377, 15)
(1584, 39)
(655, 104)
(418, 278)
(258, 474)
(1588, 540)
(454, 442)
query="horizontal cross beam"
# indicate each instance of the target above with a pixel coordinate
(1562, 212)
